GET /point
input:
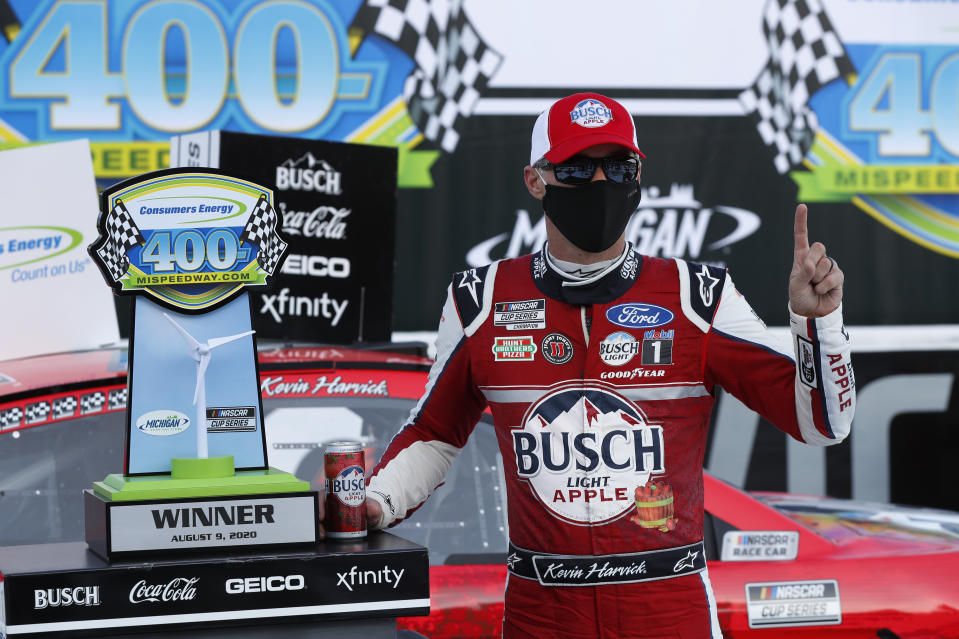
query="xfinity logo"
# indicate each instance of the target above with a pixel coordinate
(356, 577)
(665, 225)
(308, 174)
(275, 583)
(57, 597)
(283, 303)
(177, 589)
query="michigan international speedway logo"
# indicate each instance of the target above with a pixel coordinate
(875, 124)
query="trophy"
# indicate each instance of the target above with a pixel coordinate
(186, 244)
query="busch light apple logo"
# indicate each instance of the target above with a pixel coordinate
(163, 422)
(584, 450)
(639, 315)
(349, 486)
(591, 114)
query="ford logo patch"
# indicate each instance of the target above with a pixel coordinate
(639, 315)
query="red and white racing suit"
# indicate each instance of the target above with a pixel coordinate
(601, 392)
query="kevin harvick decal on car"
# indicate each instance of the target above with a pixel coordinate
(618, 348)
(591, 475)
(557, 348)
(322, 385)
(514, 349)
(762, 545)
(526, 315)
(793, 603)
(658, 347)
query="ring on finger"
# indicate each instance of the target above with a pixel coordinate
(832, 264)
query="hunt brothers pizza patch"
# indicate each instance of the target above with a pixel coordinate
(514, 349)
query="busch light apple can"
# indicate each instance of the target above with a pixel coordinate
(345, 490)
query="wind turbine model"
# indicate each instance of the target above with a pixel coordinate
(201, 353)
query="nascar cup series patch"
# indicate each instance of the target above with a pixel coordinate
(587, 452)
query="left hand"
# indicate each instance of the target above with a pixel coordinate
(815, 283)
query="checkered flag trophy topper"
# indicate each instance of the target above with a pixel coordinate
(805, 54)
(453, 64)
(121, 235)
(261, 230)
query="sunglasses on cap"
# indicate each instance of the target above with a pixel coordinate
(580, 169)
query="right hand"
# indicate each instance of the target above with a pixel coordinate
(373, 513)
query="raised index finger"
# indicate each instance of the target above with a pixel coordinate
(799, 229)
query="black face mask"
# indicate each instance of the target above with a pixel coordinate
(594, 215)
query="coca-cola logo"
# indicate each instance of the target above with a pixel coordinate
(177, 589)
(327, 222)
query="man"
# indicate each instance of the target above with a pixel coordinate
(600, 367)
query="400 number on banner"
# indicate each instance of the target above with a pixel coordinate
(191, 240)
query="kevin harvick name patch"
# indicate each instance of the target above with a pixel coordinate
(525, 315)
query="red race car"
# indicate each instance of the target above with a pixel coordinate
(781, 565)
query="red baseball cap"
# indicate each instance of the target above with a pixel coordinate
(578, 121)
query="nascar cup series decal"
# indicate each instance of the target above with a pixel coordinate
(190, 240)
(591, 457)
(761, 545)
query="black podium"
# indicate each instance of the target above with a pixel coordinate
(339, 589)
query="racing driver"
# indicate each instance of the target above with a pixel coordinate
(599, 367)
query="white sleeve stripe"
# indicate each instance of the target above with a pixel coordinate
(487, 301)
(817, 350)
(412, 476)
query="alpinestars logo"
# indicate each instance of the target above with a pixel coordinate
(666, 224)
(584, 450)
(307, 173)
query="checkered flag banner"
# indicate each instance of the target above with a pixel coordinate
(261, 230)
(121, 234)
(453, 64)
(805, 54)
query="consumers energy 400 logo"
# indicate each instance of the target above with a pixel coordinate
(889, 142)
(866, 122)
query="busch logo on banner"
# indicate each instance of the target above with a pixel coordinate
(585, 451)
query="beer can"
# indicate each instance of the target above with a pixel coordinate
(345, 490)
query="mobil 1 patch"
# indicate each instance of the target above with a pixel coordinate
(781, 604)
(524, 315)
(231, 419)
(760, 545)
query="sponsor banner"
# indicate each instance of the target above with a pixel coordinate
(212, 523)
(388, 577)
(768, 545)
(47, 218)
(793, 603)
(62, 406)
(336, 207)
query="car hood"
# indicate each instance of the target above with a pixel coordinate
(842, 520)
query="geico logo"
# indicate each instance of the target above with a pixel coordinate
(55, 597)
(316, 265)
(619, 449)
(276, 583)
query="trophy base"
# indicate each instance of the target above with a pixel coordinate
(202, 505)
(198, 480)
